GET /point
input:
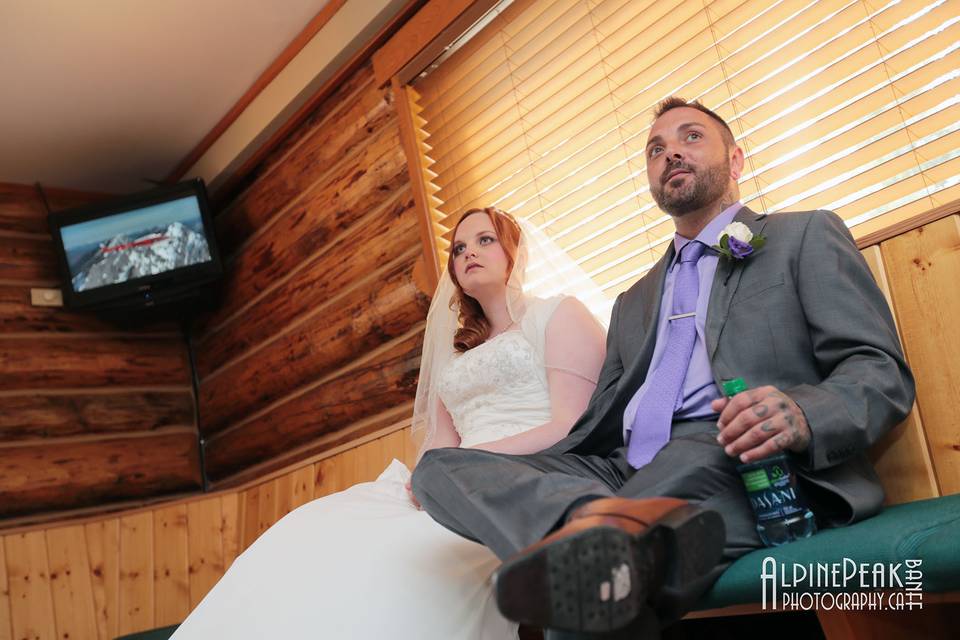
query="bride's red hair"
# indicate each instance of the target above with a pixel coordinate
(474, 326)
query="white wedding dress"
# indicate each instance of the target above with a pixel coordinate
(365, 563)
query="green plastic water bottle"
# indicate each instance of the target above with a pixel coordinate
(781, 512)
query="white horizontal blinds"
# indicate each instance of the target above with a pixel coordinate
(856, 113)
(848, 105)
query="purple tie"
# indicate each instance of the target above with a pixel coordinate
(664, 391)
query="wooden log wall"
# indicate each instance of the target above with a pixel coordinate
(318, 337)
(129, 572)
(89, 414)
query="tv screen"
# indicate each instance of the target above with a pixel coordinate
(156, 243)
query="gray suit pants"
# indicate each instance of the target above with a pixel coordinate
(509, 502)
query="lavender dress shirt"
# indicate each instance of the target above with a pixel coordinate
(699, 388)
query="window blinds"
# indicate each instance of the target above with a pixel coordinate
(843, 105)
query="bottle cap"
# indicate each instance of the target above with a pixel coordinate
(733, 386)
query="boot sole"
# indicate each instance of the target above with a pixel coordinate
(600, 579)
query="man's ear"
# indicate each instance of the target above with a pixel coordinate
(736, 163)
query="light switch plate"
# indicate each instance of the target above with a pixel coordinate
(46, 297)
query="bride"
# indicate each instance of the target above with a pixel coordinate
(503, 370)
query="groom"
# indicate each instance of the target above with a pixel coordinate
(596, 532)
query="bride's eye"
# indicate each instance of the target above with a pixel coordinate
(487, 240)
(458, 248)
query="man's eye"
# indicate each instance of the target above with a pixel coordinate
(654, 151)
(694, 135)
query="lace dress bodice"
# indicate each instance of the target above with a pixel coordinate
(496, 389)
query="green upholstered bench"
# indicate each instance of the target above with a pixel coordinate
(928, 530)
(162, 633)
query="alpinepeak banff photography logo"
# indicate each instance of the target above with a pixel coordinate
(846, 585)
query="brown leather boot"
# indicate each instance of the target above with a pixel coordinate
(600, 570)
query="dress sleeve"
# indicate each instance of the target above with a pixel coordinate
(579, 329)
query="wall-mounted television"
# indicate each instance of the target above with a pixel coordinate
(147, 249)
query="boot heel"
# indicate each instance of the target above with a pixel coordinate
(694, 539)
(595, 581)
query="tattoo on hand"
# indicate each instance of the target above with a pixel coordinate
(767, 426)
(760, 410)
(781, 440)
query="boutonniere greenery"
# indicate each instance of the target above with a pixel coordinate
(736, 241)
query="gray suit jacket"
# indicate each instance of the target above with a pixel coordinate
(802, 313)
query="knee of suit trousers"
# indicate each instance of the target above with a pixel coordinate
(507, 502)
(693, 466)
(429, 473)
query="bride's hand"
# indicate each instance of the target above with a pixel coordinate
(413, 498)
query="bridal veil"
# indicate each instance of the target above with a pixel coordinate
(541, 270)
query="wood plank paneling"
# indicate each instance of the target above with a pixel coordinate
(6, 627)
(171, 581)
(327, 476)
(293, 489)
(29, 259)
(284, 494)
(362, 321)
(28, 363)
(151, 567)
(230, 528)
(59, 414)
(31, 600)
(70, 582)
(301, 486)
(267, 506)
(136, 573)
(250, 499)
(103, 546)
(922, 267)
(373, 459)
(394, 448)
(49, 476)
(902, 458)
(362, 183)
(902, 461)
(337, 135)
(205, 545)
(385, 380)
(353, 467)
(317, 284)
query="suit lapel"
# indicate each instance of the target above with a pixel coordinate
(725, 283)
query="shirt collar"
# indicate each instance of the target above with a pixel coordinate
(709, 234)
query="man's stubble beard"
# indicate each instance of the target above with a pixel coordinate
(707, 186)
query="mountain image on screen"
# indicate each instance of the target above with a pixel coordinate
(150, 252)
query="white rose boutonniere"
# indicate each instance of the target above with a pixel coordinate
(736, 241)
